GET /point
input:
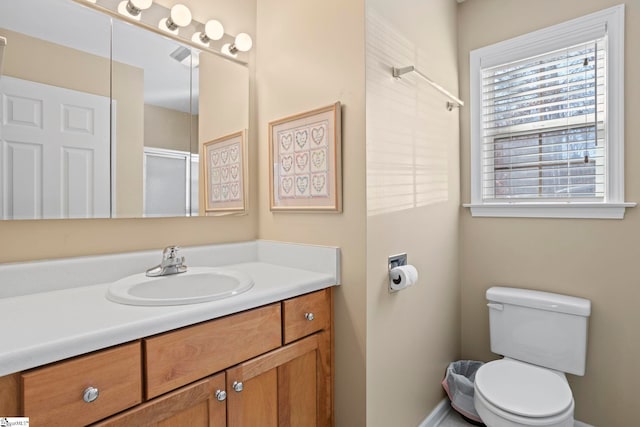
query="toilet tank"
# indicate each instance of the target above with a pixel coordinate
(541, 328)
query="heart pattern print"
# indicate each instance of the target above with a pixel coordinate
(303, 161)
(224, 172)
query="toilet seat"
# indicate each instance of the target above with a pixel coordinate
(523, 390)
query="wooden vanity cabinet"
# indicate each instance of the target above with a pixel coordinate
(176, 358)
(307, 315)
(58, 395)
(269, 366)
(283, 388)
(194, 405)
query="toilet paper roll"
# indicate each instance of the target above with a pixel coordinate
(402, 276)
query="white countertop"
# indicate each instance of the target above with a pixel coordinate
(44, 327)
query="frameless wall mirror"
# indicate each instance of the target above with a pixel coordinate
(100, 117)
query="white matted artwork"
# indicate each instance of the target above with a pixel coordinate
(224, 173)
(305, 150)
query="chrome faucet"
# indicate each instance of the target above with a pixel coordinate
(171, 263)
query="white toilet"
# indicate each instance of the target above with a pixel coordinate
(542, 336)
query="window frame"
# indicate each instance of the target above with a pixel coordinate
(539, 42)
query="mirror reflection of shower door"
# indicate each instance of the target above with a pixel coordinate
(168, 182)
(54, 152)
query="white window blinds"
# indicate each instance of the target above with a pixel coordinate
(543, 126)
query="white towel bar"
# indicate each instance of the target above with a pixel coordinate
(398, 72)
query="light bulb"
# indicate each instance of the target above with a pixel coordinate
(213, 30)
(136, 6)
(180, 17)
(243, 42)
(133, 8)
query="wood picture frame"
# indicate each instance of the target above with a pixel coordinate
(305, 165)
(225, 173)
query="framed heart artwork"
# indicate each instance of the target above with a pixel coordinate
(305, 161)
(224, 174)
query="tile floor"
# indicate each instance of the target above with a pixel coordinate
(453, 419)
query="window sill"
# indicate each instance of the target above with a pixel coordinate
(550, 210)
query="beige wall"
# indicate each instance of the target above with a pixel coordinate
(226, 109)
(128, 92)
(168, 129)
(595, 259)
(413, 204)
(224, 99)
(310, 55)
(30, 58)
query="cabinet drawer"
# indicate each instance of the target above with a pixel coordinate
(53, 395)
(179, 357)
(306, 314)
(193, 405)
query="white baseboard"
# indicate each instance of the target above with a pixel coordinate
(437, 415)
(442, 410)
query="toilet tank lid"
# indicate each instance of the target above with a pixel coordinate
(540, 300)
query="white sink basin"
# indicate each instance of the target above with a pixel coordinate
(198, 284)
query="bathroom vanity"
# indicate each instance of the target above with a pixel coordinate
(264, 357)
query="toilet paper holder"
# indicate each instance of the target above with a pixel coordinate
(396, 261)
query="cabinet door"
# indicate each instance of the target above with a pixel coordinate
(298, 392)
(278, 389)
(195, 405)
(256, 404)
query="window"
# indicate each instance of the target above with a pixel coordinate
(547, 137)
(554, 164)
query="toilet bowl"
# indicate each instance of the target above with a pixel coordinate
(510, 393)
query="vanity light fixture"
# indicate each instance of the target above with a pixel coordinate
(242, 43)
(180, 16)
(213, 30)
(133, 8)
(178, 21)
